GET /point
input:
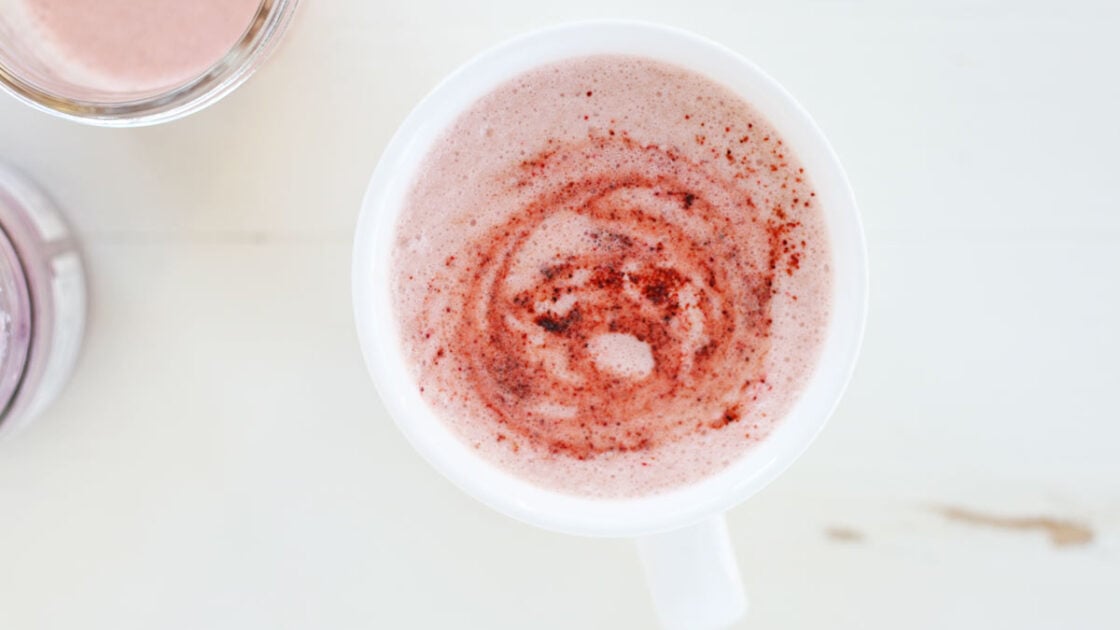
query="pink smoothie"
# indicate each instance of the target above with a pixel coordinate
(136, 45)
(612, 277)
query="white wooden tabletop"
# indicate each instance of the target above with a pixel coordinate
(221, 460)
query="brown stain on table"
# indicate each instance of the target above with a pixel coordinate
(841, 534)
(1062, 532)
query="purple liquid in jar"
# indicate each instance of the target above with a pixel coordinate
(42, 301)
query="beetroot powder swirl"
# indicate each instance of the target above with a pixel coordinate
(644, 261)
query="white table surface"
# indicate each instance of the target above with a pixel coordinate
(221, 460)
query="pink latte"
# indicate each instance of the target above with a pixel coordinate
(612, 277)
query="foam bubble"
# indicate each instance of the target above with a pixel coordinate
(622, 354)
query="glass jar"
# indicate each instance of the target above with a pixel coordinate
(42, 301)
(33, 70)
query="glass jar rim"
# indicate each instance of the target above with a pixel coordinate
(16, 308)
(226, 75)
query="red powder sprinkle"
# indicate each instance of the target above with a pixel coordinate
(633, 288)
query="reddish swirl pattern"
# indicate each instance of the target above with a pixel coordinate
(627, 244)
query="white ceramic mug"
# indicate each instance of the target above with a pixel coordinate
(681, 534)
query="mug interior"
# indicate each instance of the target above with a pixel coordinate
(379, 332)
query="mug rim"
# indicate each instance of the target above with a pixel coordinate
(435, 440)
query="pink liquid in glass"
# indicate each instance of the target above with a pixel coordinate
(136, 45)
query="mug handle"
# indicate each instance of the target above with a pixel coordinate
(693, 576)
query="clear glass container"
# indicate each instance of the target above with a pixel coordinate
(32, 74)
(42, 301)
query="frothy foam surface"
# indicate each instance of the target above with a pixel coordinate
(132, 45)
(611, 276)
